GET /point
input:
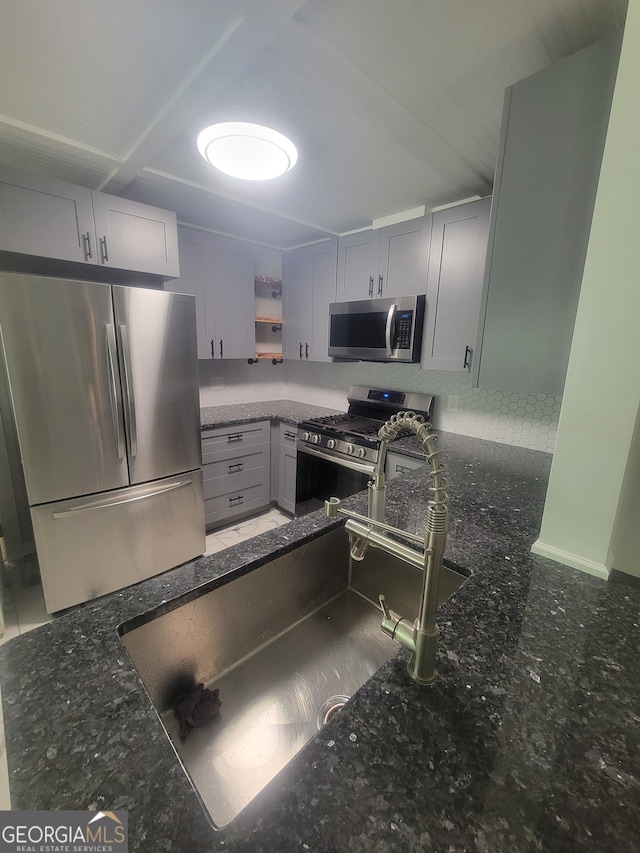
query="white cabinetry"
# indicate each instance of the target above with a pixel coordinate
(390, 261)
(287, 466)
(219, 273)
(308, 286)
(454, 285)
(554, 127)
(396, 464)
(236, 471)
(135, 236)
(45, 218)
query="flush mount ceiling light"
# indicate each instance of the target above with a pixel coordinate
(248, 151)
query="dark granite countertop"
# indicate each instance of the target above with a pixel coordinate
(528, 741)
(288, 411)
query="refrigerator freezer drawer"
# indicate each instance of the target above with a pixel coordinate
(91, 546)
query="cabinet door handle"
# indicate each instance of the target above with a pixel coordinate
(306, 350)
(104, 251)
(86, 240)
(379, 285)
(467, 357)
(221, 350)
(370, 285)
(213, 355)
(300, 349)
(235, 467)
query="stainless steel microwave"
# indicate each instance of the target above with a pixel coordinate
(377, 329)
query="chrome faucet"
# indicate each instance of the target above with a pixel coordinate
(421, 636)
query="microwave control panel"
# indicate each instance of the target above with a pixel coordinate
(403, 330)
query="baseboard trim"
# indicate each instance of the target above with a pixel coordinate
(569, 559)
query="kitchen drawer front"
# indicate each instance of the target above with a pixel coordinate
(288, 434)
(232, 439)
(240, 500)
(236, 470)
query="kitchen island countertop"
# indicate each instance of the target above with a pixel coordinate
(528, 741)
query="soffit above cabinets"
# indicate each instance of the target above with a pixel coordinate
(392, 105)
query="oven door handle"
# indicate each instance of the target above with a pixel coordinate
(389, 328)
(353, 464)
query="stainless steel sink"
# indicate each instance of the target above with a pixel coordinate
(286, 645)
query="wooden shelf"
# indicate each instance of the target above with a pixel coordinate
(276, 320)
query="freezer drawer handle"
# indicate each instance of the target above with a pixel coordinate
(237, 500)
(235, 467)
(128, 392)
(114, 395)
(65, 513)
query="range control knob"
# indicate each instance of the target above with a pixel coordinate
(361, 453)
(315, 439)
(349, 449)
(305, 436)
(331, 443)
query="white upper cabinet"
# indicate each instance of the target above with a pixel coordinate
(135, 236)
(308, 286)
(389, 261)
(554, 127)
(219, 273)
(45, 218)
(454, 285)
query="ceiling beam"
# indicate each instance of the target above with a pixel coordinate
(257, 23)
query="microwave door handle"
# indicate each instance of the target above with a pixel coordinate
(389, 330)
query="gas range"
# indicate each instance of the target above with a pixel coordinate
(351, 439)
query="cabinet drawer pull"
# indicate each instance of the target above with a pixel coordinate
(86, 240)
(290, 435)
(238, 499)
(234, 467)
(370, 285)
(234, 436)
(467, 357)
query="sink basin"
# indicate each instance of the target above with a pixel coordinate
(286, 645)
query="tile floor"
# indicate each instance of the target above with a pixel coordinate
(24, 608)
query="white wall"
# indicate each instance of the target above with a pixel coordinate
(595, 448)
(526, 420)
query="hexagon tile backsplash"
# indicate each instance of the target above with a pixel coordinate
(525, 420)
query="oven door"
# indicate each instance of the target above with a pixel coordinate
(320, 476)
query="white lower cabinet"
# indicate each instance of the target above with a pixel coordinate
(287, 465)
(236, 462)
(396, 465)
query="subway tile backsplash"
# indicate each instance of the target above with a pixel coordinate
(525, 420)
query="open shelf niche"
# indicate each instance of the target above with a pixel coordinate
(268, 318)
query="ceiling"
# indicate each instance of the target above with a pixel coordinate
(391, 105)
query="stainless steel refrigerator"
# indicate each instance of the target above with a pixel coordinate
(102, 386)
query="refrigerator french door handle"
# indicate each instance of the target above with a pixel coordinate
(130, 410)
(389, 328)
(114, 392)
(88, 507)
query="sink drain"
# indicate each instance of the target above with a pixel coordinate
(329, 708)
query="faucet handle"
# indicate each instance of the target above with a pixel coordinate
(383, 605)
